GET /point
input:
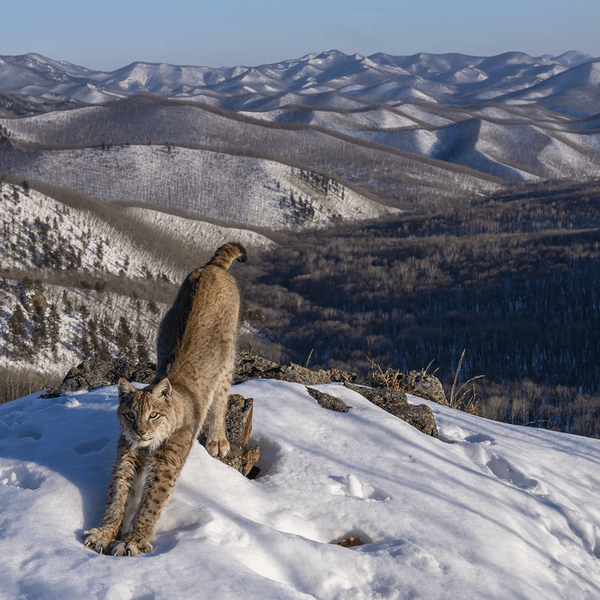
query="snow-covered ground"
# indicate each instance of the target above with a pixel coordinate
(198, 235)
(241, 191)
(488, 511)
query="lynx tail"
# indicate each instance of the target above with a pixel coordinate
(227, 253)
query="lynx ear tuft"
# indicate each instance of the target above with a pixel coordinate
(163, 388)
(125, 388)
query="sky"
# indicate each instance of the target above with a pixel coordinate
(114, 33)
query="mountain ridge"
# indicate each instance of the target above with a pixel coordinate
(420, 104)
(39, 77)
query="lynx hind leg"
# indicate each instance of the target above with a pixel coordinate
(216, 442)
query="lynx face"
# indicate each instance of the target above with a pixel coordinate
(146, 418)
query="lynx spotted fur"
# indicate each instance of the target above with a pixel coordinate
(159, 424)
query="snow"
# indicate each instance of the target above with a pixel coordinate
(199, 235)
(206, 183)
(73, 232)
(489, 510)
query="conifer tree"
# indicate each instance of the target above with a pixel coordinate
(124, 339)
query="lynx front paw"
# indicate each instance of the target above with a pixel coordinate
(97, 540)
(131, 548)
(217, 447)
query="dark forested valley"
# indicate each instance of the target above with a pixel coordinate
(512, 279)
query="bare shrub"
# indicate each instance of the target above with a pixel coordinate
(15, 383)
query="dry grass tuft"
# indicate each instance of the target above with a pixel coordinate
(465, 398)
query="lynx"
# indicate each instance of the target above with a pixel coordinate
(195, 356)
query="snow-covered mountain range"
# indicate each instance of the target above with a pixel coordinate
(330, 79)
(511, 116)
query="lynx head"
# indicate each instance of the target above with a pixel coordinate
(146, 416)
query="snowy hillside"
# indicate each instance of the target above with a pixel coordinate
(87, 280)
(43, 232)
(489, 510)
(198, 235)
(511, 116)
(240, 191)
(218, 147)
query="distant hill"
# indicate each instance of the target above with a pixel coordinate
(511, 116)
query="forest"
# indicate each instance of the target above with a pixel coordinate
(512, 279)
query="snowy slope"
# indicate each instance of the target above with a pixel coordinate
(91, 268)
(69, 233)
(412, 103)
(489, 510)
(198, 235)
(79, 138)
(241, 191)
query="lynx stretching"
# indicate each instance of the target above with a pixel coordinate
(159, 424)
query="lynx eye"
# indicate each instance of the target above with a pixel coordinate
(129, 415)
(153, 415)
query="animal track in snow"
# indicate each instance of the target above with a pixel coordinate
(353, 487)
(476, 448)
(479, 438)
(454, 434)
(503, 469)
(29, 433)
(4, 430)
(124, 591)
(270, 453)
(405, 552)
(91, 446)
(21, 477)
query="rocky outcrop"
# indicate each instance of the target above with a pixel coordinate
(426, 385)
(250, 366)
(328, 401)
(242, 455)
(396, 403)
(95, 373)
(419, 383)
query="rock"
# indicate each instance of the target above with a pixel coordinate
(426, 385)
(94, 373)
(328, 401)
(250, 366)
(350, 542)
(396, 403)
(419, 383)
(241, 455)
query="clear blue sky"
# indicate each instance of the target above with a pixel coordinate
(108, 34)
